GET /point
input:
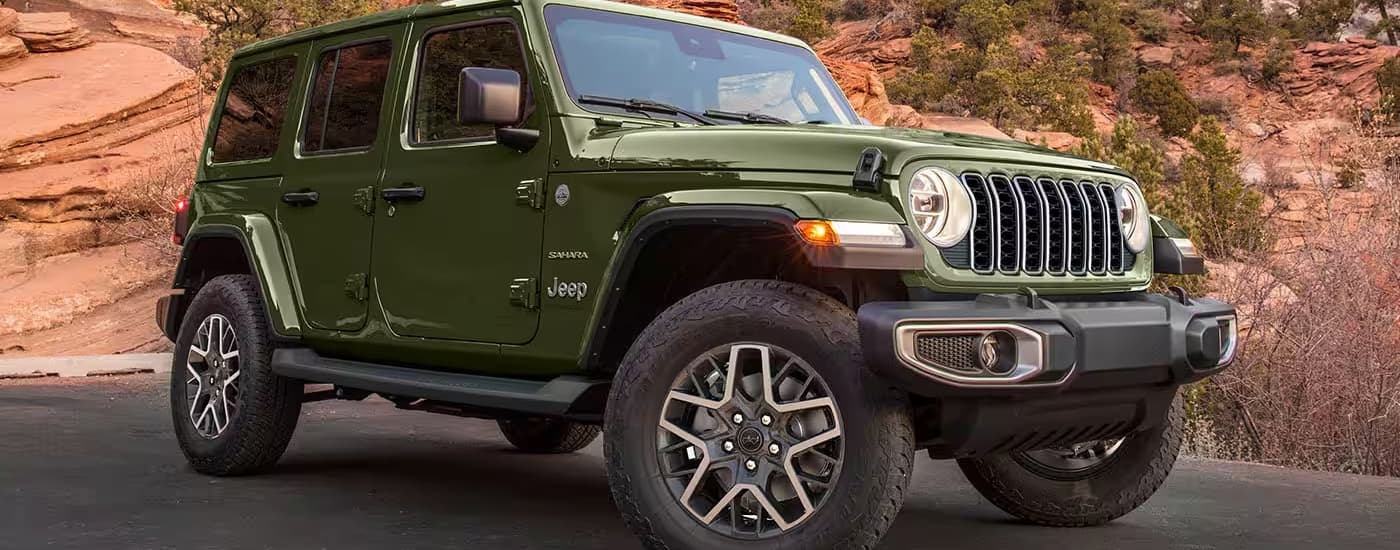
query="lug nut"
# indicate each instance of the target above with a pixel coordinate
(728, 446)
(774, 449)
(766, 420)
(738, 418)
(751, 464)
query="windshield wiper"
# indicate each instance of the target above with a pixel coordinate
(746, 118)
(645, 106)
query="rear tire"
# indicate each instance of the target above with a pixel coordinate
(861, 428)
(547, 435)
(1096, 493)
(232, 414)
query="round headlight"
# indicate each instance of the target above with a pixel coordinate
(1132, 212)
(939, 206)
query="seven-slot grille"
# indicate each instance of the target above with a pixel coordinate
(1041, 225)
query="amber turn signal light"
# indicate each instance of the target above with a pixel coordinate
(818, 232)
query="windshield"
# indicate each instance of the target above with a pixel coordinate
(613, 55)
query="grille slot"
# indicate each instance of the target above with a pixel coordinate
(957, 352)
(1036, 225)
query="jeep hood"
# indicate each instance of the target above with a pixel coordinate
(816, 148)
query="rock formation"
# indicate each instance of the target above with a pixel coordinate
(12, 50)
(723, 10)
(1342, 68)
(51, 32)
(9, 19)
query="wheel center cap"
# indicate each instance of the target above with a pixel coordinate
(750, 440)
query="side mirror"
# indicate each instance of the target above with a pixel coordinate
(488, 96)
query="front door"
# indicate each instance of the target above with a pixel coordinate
(450, 235)
(328, 185)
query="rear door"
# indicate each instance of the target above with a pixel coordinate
(444, 265)
(328, 189)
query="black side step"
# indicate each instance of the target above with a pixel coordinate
(552, 398)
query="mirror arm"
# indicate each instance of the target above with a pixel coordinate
(520, 139)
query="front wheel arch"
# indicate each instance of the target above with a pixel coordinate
(667, 248)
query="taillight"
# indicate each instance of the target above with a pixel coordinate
(182, 221)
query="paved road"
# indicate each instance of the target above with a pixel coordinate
(90, 463)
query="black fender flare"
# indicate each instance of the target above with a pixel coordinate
(649, 225)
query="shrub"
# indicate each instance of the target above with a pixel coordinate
(1321, 19)
(984, 22)
(1315, 384)
(1108, 41)
(1151, 25)
(1388, 81)
(772, 15)
(1212, 202)
(1349, 173)
(1160, 94)
(1278, 61)
(997, 83)
(855, 10)
(1215, 106)
(1229, 23)
(810, 23)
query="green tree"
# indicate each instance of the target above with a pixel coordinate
(1160, 94)
(812, 21)
(929, 79)
(1230, 23)
(1128, 148)
(1322, 19)
(984, 22)
(233, 24)
(1383, 25)
(1108, 40)
(1212, 201)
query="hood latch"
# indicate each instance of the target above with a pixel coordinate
(868, 169)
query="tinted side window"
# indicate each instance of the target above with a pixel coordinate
(347, 91)
(251, 121)
(445, 54)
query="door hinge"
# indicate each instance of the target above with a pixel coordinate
(525, 292)
(530, 193)
(364, 198)
(357, 287)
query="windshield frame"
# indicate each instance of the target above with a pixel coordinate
(838, 102)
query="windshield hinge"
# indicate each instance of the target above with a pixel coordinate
(525, 292)
(868, 169)
(530, 193)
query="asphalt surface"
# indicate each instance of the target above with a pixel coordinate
(91, 463)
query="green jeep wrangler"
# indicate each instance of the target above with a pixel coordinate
(579, 217)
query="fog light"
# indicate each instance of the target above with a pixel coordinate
(996, 353)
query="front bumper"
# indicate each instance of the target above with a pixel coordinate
(1079, 367)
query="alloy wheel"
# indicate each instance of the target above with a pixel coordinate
(212, 390)
(1072, 462)
(750, 440)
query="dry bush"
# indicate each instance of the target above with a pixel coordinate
(145, 206)
(1317, 382)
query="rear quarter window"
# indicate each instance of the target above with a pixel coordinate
(255, 107)
(346, 94)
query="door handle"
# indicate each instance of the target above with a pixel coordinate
(302, 198)
(396, 194)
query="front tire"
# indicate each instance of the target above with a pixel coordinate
(547, 435)
(232, 414)
(744, 416)
(1085, 485)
